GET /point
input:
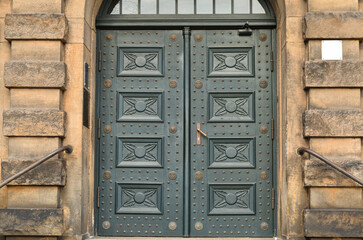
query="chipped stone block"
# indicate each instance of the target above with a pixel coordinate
(49, 173)
(47, 74)
(36, 27)
(346, 73)
(333, 25)
(333, 223)
(338, 123)
(319, 174)
(31, 222)
(33, 122)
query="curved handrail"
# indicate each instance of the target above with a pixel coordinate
(68, 149)
(301, 151)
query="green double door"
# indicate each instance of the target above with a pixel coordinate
(186, 133)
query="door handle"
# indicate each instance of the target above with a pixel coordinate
(199, 132)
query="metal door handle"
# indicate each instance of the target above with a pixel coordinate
(199, 132)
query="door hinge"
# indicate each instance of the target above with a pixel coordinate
(273, 198)
(272, 129)
(98, 197)
(99, 129)
(272, 61)
(99, 60)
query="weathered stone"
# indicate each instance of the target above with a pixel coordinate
(333, 223)
(31, 238)
(36, 27)
(336, 148)
(35, 98)
(36, 197)
(38, 50)
(334, 98)
(33, 222)
(33, 122)
(338, 123)
(41, 6)
(49, 173)
(347, 25)
(319, 174)
(350, 49)
(335, 197)
(332, 5)
(344, 73)
(28, 147)
(35, 74)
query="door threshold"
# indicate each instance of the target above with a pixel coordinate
(180, 238)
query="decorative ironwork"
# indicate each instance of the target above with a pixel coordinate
(231, 106)
(139, 197)
(140, 61)
(140, 106)
(231, 152)
(139, 152)
(234, 199)
(230, 62)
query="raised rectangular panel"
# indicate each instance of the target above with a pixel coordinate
(140, 107)
(139, 152)
(139, 198)
(231, 107)
(232, 153)
(232, 199)
(231, 62)
(140, 61)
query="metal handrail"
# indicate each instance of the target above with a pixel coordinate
(68, 149)
(301, 151)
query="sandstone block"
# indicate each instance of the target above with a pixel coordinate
(49, 173)
(336, 148)
(346, 73)
(334, 98)
(333, 25)
(319, 174)
(333, 223)
(33, 222)
(33, 197)
(35, 74)
(29, 147)
(33, 122)
(36, 27)
(35, 98)
(338, 123)
(31, 238)
(36, 50)
(41, 6)
(336, 198)
(332, 5)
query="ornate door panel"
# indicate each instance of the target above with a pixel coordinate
(231, 167)
(141, 133)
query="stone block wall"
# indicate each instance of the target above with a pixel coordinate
(333, 121)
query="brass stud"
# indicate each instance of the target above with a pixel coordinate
(199, 175)
(264, 226)
(172, 226)
(108, 83)
(106, 224)
(263, 84)
(263, 129)
(198, 226)
(172, 175)
(262, 37)
(198, 84)
(198, 37)
(173, 84)
(107, 129)
(107, 175)
(173, 37)
(173, 129)
(109, 37)
(264, 175)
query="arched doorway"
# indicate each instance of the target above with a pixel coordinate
(185, 107)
